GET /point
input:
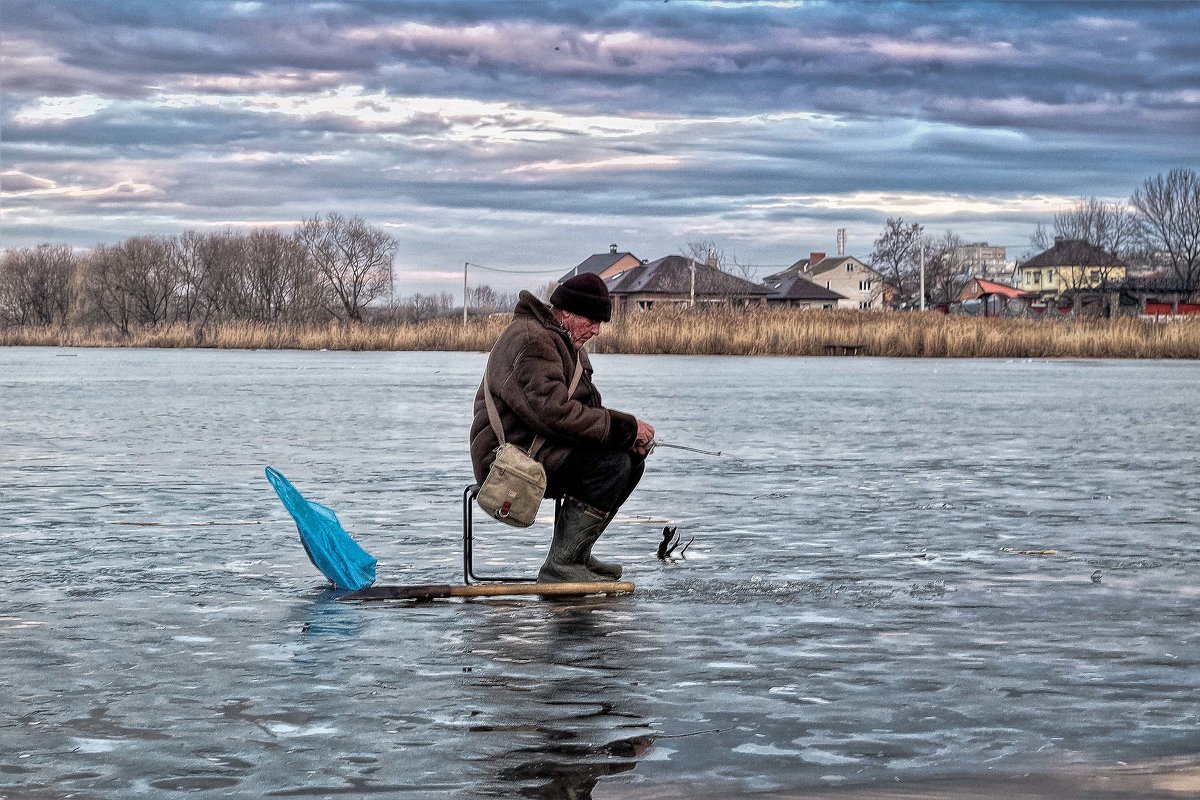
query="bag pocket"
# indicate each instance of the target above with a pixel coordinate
(513, 490)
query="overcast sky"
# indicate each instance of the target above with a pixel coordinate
(529, 135)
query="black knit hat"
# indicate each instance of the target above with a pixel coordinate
(585, 295)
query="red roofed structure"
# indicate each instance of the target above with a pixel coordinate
(985, 290)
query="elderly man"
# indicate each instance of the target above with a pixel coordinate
(593, 456)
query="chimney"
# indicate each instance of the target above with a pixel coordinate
(814, 259)
(1059, 240)
(612, 248)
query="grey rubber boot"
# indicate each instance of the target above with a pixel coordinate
(606, 568)
(575, 531)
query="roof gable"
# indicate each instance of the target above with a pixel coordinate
(673, 275)
(826, 264)
(1073, 253)
(796, 288)
(596, 263)
(804, 267)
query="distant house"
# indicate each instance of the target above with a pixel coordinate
(858, 285)
(1071, 264)
(996, 299)
(679, 281)
(606, 265)
(797, 292)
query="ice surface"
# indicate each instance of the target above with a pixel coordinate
(860, 603)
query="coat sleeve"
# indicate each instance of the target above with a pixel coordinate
(536, 391)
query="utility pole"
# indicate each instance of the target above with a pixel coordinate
(465, 265)
(922, 273)
(692, 262)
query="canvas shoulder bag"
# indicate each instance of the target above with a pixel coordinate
(516, 482)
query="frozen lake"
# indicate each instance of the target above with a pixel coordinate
(870, 595)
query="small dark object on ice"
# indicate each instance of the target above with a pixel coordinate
(1096, 576)
(669, 533)
(670, 541)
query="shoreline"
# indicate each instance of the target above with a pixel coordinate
(780, 332)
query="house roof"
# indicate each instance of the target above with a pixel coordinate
(1074, 253)
(796, 288)
(803, 266)
(596, 263)
(828, 263)
(991, 287)
(673, 275)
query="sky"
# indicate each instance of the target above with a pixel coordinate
(525, 136)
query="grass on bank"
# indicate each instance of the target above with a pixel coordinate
(771, 332)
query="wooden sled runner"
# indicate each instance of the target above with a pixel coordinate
(435, 591)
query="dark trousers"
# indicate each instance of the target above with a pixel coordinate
(601, 478)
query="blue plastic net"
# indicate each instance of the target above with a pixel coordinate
(329, 547)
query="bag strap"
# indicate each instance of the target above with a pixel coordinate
(494, 415)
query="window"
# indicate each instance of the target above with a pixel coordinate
(849, 267)
(864, 286)
(863, 304)
(1095, 276)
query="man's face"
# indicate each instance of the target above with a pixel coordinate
(581, 329)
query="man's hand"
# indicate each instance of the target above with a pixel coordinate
(645, 435)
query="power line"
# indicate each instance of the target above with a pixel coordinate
(510, 271)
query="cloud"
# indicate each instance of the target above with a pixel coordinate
(638, 162)
(15, 182)
(515, 126)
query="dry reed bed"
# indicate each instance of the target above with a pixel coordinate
(774, 332)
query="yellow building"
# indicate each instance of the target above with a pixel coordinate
(1070, 264)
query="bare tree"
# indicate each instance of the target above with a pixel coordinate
(281, 279)
(215, 264)
(1113, 227)
(103, 287)
(422, 307)
(136, 281)
(1170, 212)
(895, 258)
(1039, 241)
(947, 268)
(483, 298)
(353, 259)
(37, 284)
(706, 251)
(194, 255)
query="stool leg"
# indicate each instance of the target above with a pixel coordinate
(468, 524)
(469, 543)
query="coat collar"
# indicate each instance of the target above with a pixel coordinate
(529, 306)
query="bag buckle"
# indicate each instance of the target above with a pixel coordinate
(503, 512)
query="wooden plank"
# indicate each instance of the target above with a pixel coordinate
(433, 591)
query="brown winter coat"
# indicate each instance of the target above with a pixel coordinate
(529, 369)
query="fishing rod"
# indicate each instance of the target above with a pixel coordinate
(656, 443)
